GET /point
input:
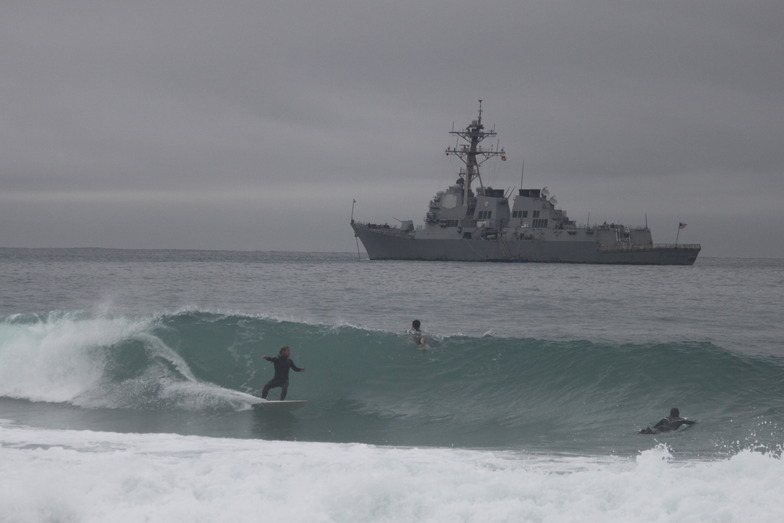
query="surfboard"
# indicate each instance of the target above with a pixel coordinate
(682, 428)
(280, 405)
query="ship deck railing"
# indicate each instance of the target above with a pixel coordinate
(385, 228)
(651, 247)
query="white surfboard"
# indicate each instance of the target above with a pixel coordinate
(280, 405)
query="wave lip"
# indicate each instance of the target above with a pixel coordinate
(101, 362)
(60, 356)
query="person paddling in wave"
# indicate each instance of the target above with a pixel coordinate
(282, 364)
(416, 333)
(668, 424)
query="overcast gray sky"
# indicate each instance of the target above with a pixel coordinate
(252, 125)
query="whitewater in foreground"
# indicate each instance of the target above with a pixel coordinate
(62, 475)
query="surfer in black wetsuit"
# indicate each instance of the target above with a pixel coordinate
(668, 424)
(281, 378)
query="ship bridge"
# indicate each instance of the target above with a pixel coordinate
(533, 208)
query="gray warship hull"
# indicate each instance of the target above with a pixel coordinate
(492, 225)
(382, 243)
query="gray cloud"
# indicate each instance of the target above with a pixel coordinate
(240, 125)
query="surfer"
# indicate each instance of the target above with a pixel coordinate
(416, 332)
(282, 364)
(670, 423)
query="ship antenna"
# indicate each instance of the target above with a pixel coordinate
(522, 172)
(472, 154)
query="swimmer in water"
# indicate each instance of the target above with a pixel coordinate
(668, 424)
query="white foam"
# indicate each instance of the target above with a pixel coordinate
(57, 359)
(62, 358)
(88, 476)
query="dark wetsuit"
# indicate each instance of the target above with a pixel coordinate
(667, 424)
(281, 378)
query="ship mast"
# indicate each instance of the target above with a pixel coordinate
(472, 154)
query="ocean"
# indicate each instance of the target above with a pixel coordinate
(127, 379)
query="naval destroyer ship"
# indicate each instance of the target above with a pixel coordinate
(473, 222)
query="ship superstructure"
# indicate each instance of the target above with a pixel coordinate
(472, 222)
